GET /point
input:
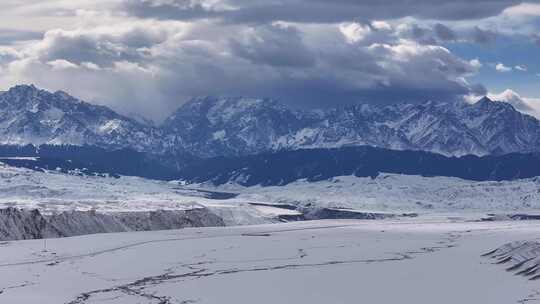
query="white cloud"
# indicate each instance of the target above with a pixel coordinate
(61, 64)
(523, 9)
(8, 54)
(500, 67)
(521, 68)
(381, 25)
(476, 63)
(90, 65)
(354, 32)
(530, 106)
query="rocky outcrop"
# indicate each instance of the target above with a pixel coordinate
(18, 224)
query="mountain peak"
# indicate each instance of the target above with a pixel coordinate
(484, 99)
(21, 96)
(23, 89)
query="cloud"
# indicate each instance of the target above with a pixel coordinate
(12, 36)
(476, 63)
(444, 33)
(102, 45)
(61, 64)
(8, 54)
(273, 45)
(521, 68)
(483, 36)
(313, 11)
(524, 9)
(500, 67)
(151, 67)
(438, 33)
(530, 106)
(355, 32)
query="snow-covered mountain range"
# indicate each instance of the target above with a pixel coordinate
(29, 115)
(234, 126)
(213, 126)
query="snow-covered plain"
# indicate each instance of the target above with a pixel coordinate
(345, 261)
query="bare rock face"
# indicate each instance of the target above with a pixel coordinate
(18, 224)
(168, 219)
(72, 223)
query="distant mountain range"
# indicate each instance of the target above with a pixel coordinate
(211, 126)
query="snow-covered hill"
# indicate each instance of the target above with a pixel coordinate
(402, 193)
(53, 192)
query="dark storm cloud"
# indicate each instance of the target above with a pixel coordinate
(101, 48)
(444, 33)
(316, 11)
(323, 92)
(421, 34)
(324, 66)
(181, 10)
(150, 65)
(275, 46)
(483, 36)
(440, 33)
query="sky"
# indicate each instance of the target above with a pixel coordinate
(147, 57)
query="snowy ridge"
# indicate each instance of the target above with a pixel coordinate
(237, 126)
